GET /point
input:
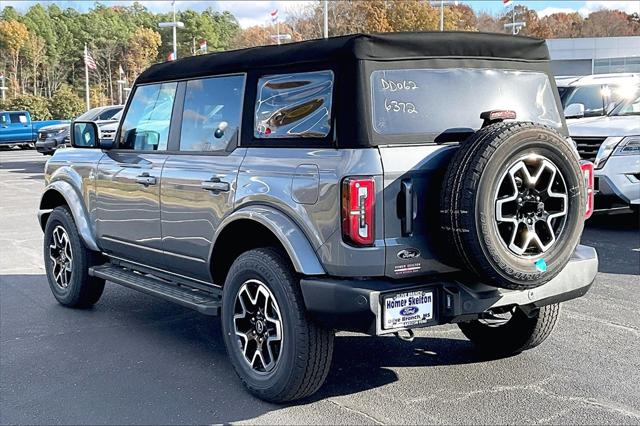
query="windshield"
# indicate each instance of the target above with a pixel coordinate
(90, 115)
(629, 107)
(438, 101)
(118, 115)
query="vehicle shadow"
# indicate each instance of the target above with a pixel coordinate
(616, 237)
(132, 346)
(33, 167)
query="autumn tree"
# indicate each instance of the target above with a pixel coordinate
(142, 50)
(609, 23)
(563, 25)
(66, 104)
(253, 36)
(13, 36)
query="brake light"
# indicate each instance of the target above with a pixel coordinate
(587, 173)
(358, 197)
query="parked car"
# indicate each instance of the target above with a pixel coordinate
(594, 95)
(16, 128)
(108, 130)
(613, 144)
(53, 137)
(373, 183)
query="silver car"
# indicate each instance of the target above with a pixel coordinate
(613, 144)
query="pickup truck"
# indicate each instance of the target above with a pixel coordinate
(16, 127)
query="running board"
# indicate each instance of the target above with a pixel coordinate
(205, 302)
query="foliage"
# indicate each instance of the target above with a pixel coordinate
(142, 49)
(36, 105)
(65, 104)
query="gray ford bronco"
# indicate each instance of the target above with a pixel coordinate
(371, 183)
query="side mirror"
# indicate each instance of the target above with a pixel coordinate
(84, 134)
(574, 111)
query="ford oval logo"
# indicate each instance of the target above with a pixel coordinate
(409, 253)
(409, 310)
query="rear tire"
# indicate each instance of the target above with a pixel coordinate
(263, 311)
(518, 334)
(67, 262)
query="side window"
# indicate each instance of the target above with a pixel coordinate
(146, 125)
(3, 119)
(212, 111)
(591, 98)
(18, 118)
(294, 105)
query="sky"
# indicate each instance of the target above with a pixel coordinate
(251, 13)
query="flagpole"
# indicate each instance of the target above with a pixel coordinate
(86, 76)
(326, 18)
(278, 28)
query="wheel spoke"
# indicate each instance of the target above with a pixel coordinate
(258, 326)
(531, 202)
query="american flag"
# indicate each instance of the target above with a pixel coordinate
(506, 2)
(274, 15)
(89, 61)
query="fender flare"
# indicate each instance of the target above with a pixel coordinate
(295, 242)
(76, 206)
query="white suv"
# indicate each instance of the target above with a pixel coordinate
(612, 142)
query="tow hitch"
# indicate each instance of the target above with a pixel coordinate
(408, 337)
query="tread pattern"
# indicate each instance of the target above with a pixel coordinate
(85, 290)
(315, 343)
(458, 200)
(519, 334)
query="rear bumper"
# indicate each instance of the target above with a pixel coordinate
(356, 305)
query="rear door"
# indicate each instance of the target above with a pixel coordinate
(127, 207)
(199, 180)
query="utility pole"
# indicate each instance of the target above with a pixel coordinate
(326, 18)
(515, 26)
(441, 15)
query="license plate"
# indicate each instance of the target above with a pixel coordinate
(410, 309)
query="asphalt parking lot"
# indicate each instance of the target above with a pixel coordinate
(133, 359)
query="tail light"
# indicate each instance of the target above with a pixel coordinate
(587, 172)
(358, 197)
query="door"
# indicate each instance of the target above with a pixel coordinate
(127, 207)
(15, 127)
(198, 182)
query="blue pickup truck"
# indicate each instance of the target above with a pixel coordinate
(16, 128)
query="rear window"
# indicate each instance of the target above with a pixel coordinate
(436, 101)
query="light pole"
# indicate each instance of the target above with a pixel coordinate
(515, 26)
(174, 24)
(326, 18)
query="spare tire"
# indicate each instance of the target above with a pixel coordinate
(513, 204)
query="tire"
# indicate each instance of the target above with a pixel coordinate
(303, 355)
(481, 198)
(518, 334)
(73, 287)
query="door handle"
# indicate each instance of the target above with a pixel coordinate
(145, 179)
(215, 185)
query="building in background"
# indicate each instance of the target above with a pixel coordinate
(594, 55)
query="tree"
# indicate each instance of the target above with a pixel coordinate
(13, 36)
(253, 36)
(35, 54)
(563, 25)
(609, 23)
(36, 105)
(65, 104)
(142, 50)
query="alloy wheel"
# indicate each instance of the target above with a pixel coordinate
(531, 205)
(258, 326)
(61, 257)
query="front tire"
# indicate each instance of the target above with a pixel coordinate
(67, 262)
(519, 333)
(277, 351)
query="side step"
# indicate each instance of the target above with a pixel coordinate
(205, 302)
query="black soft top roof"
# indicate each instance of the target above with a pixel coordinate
(352, 48)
